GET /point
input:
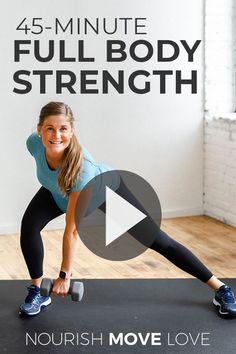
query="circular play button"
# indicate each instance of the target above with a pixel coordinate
(118, 215)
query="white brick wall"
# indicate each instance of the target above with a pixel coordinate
(220, 170)
(220, 133)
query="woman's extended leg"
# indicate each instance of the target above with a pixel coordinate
(165, 245)
(147, 231)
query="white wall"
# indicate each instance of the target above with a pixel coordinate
(220, 57)
(157, 136)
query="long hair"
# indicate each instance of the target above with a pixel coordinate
(71, 165)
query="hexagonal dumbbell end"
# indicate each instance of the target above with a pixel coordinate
(46, 287)
(77, 291)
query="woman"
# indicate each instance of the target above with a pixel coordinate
(63, 169)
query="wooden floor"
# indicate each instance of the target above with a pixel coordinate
(212, 241)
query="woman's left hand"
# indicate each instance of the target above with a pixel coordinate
(61, 287)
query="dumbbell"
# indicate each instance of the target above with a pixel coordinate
(76, 289)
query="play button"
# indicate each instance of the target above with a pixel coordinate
(118, 215)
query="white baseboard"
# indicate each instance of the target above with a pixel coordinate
(178, 213)
(228, 220)
(59, 223)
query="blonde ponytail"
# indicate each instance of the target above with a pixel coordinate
(71, 166)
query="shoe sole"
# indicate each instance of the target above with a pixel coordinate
(218, 305)
(44, 304)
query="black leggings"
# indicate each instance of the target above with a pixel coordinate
(43, 209)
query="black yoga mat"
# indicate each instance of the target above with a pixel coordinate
(119, 316)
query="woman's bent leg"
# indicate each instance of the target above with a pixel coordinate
(39, 212)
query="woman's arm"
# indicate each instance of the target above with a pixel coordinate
(70, 237)
(69, 246)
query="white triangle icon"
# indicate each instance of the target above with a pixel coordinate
(120, 216)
